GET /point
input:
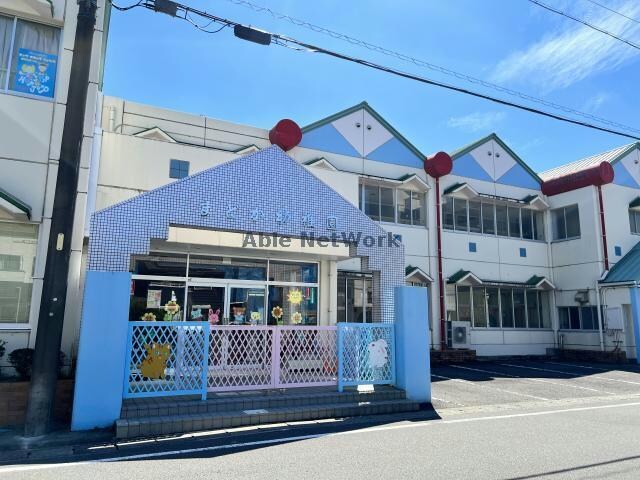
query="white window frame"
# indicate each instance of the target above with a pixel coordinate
(363, 206)
(564, 213)
(4, 89)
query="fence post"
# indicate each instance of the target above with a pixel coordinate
(340, 357)
(275, 356)
(127, 361)
(205, 361)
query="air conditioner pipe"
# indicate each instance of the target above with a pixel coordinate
(439, 165)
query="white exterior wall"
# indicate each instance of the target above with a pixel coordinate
(30, 140)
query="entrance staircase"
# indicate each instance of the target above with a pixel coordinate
(146, 417)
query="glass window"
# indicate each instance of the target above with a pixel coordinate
(574, 318)
(418, 209)
(475, 219)
(479, 307)
(589, 318)
(178, 169)
(372, 202)
(6, 30)
(452, 312)
(18, 242)
(563, 315)
(224, 268)
(298, 305)
(162, 299)
(566, 222)
(404, 206)
(355, 297)
(293, 272)
(514, 222)
(527, 223)
(545, 313)
(519, 314)
(493, 307)
(460, 209)
(159, 264)
(572, 214)
(533, 309)
(538, 225)
(246, 306)
(33, 60)
(502, 226)
(447, 213)
(506, 308)
(464, 304)
(387, 207)
(634, 221)
(488, 219)
(206, 304)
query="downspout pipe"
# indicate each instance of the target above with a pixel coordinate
(603, 229)
(437, 166)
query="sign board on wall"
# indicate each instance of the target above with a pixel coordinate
(35, 73)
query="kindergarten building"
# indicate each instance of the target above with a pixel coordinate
(516, 262)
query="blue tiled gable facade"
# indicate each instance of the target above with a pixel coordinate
(283, 197)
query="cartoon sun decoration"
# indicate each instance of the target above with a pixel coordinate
(277, 312)
(296, 318)
(255, 316)
(295, 297)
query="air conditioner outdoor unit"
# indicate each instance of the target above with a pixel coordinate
(460, 334)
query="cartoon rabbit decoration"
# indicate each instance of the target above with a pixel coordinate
(214, 317)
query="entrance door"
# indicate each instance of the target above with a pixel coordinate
(246, 305)
(206, 303)
(355, 297)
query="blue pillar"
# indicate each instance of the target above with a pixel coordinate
(634, 293)
(413, 363)
(101, 355)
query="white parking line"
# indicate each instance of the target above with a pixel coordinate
(570, 374)
(593, 368)
(428, 423)
(480, 385)
(540, 380)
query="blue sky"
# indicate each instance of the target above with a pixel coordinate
(158, 60)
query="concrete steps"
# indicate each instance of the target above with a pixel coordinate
(162, 416)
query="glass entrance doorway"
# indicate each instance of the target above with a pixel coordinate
(227, 304)
(355, 297)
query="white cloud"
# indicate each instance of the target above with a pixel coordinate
(594, 103)
(562, 59)
(477, 121)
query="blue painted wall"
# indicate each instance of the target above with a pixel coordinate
(466, 166)
(328, 139)
(395, 152)
(623, 177)
(519, 177)
(101, 357)
(635, 311)
(413, 363)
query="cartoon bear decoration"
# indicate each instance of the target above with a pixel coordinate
(155, 362)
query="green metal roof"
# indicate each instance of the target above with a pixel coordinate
(452, 188)
(627, 269)
(374, 114)
(493, 136)
(635, 203)
(17, 203)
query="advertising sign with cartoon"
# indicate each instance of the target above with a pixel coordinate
(36, 73)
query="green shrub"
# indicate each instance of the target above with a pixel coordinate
(22, 358)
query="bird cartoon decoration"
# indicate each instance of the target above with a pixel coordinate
(155, 361)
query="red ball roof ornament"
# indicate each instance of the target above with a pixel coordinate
(438, 165)
(286, 134)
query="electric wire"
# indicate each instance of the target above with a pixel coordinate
(424, 64)
(613, 11)
(584, 22)
(283, 40)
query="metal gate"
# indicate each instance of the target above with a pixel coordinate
(257, 357)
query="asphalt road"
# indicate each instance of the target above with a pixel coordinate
(526, 420)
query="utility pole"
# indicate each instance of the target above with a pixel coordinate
(54, 290)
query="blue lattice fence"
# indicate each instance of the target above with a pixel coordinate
(366, 354)
(166, 358)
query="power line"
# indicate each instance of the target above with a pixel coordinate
(173, 9)
(613, 11)
(422, 63)
(584, 22)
